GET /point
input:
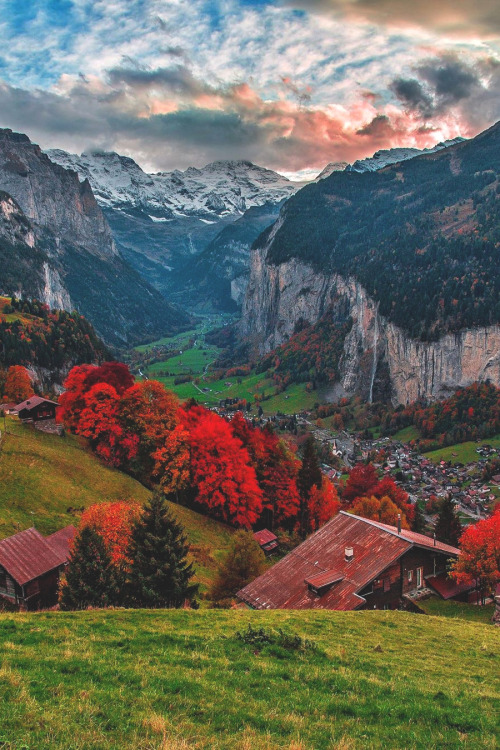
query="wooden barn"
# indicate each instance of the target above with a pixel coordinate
(267, 541)
(30, 566)
(354, 563)
(37, 409)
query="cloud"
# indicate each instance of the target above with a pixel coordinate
(455, 17)
(469, 88)
(168, 118)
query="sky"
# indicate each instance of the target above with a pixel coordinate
(288, 84)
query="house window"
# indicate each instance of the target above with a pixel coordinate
(387, 584)
(410, 576)
(3, 580)
(419, 577)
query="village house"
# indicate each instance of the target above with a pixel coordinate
(36, 409)
(355, 563)
(30, 566)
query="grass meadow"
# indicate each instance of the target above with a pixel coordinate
(176, 680)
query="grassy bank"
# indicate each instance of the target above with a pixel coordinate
(178, 680)
(45, 479)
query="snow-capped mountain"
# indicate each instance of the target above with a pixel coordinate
(382, 159)
(218, 189)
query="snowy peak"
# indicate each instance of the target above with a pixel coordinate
(382, 159)
(334, 166)
(222, 188)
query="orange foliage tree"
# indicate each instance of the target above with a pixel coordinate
(113, 522)
(379, 509)
(479, 560)
(323, 504)
(18, 385)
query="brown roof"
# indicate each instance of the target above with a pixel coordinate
(61, 542)
(33, 401)
(447, 587)
(27, 555)
(375, 546)
(265, 536)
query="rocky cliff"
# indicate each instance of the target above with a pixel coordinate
(56, 245)
(379, 357)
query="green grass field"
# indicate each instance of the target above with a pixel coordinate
(457, 610)
(177, 680)
(407, 434)
(42, 476)
(464, 453)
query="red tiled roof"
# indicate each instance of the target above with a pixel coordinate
(446, 587)
(419, 539)
(28, 555)
(61, 542)
(324, 579)
(30, 403)
(376, 546)
(265, 536)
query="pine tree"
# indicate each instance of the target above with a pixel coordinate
(244, 562)
(448, 528)
(90, 576)
(309, 476)
(159, 574)
(418, 523)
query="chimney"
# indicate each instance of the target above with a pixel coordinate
(349, 554)
(399, 523)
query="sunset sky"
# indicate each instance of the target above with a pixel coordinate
(288, 84)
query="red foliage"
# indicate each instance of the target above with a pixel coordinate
(113, 521)
(323, 504)
(99, 421)
(480, 555)
(221, 470)
(361, 482)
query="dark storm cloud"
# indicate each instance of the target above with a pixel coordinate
(462, 17)
(379, 127)
(445, 82)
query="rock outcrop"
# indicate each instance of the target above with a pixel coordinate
(279, 297)
(56, 245)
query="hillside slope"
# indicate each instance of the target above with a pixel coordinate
(175, 680)
(45, 480)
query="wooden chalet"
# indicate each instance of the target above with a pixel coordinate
(354, 563)
(30, 566)
(267, 541)
(37, 409)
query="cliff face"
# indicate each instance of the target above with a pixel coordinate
(56, 245)
(378, 355)
(53, 197)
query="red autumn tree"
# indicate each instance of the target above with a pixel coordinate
(99, 422)
(113, 522)
(276, 469)
(148, 411)
(323, 504)
(220, 469)
(172, 461)
(379, 509)
(361, 482)
(18, 385)
(80, 381)
(479, 560)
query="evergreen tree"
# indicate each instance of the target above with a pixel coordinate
(418, 523)
(159, 574)
(309, 476)
(244, 562)
(448, 528)
(90, 576)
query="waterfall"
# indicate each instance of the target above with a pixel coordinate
(374, 362)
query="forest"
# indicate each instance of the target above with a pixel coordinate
(422, 236)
